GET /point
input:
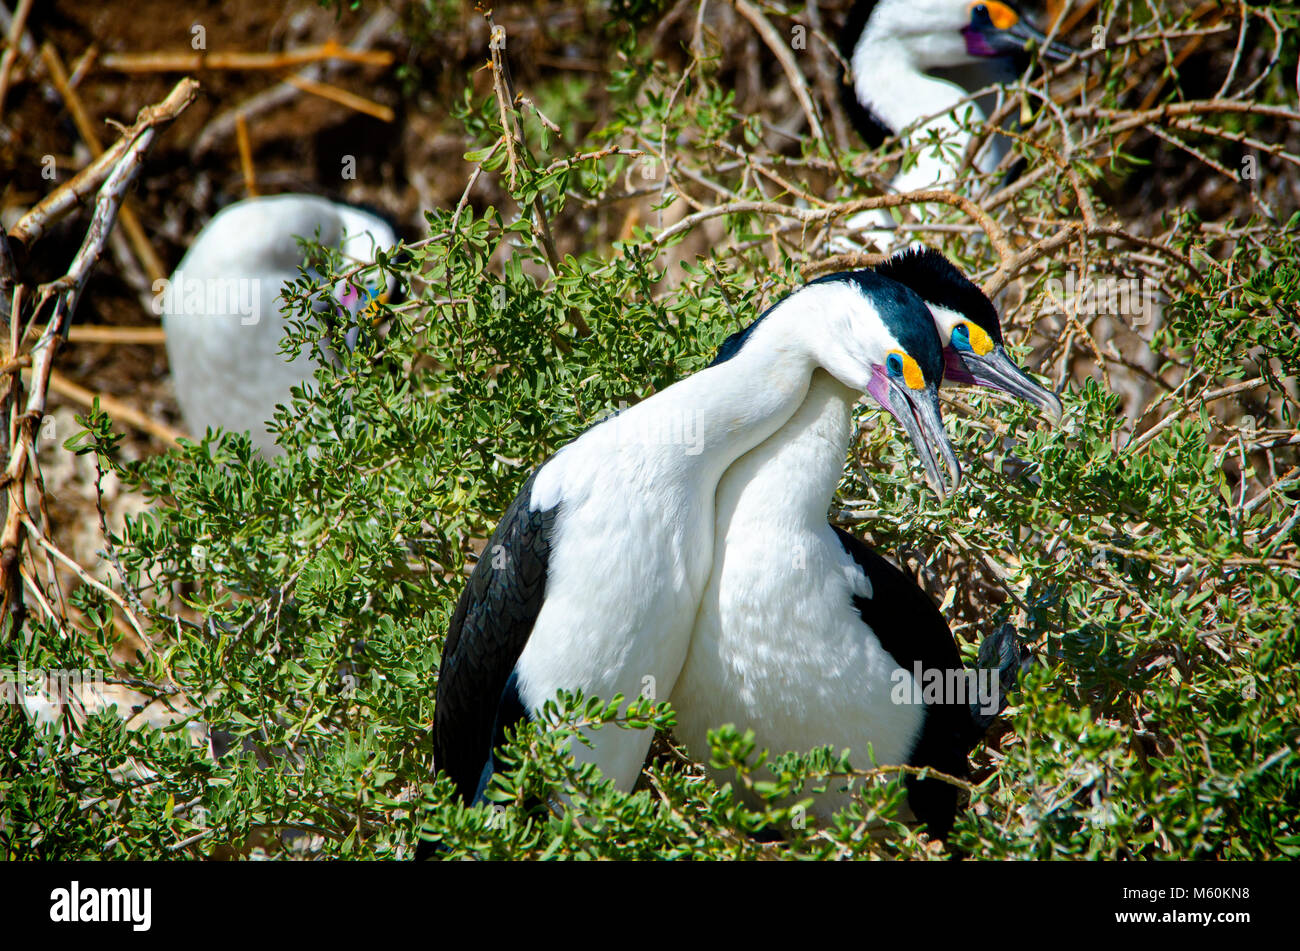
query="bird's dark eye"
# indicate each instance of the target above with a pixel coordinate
(980, 18)
(894, 363)
(961, 337)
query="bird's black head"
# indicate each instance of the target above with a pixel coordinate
(907, 363)
(938, 281)
(968, 326)
(897, 304)
(997, 29)
(875, 336)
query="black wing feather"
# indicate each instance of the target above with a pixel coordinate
(492, 623)
(911, 628)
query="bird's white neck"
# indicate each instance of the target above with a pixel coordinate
(792, 476)
(702, 424)
(889, 83)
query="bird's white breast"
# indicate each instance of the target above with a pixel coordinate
(629, 558)
(779, 646)
(780, 649)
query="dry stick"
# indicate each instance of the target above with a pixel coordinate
(1202, 399)
(1076, 15)
(1190, 47)
(1012, 265)
(1127, 118)
(13, 385)
(148, 257)
(749, 162)
(11, 49)
(662, 153)
(81, 66)
(996, 234)
(341, 96)
(188, 62)
(1277, 149)
(1236, 55)
(68, 196)
(1192, 150)
(245, 156)
(65, 294)
(87, 578)
(115, 408)
(849, 260)
(826, 60)
(23, 39)
(220, 128)
(8, 269)
(82, 333)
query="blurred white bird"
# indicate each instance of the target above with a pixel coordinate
(222, 313)
(914, 60)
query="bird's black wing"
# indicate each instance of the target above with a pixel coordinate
(476, 700)
(911, 628)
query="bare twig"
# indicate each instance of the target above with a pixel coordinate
(197, 61)
(83, 333)
(341, 96)
(12, 45)
(149, 259)
(61, 298)
(222, 126)
(515, 150)
(245, 156)
(781, 50)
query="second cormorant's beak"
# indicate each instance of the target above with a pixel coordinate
(999, 371)
(995, 29)
(918, 411)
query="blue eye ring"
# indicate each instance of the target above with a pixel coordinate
(894, 363)
(961, 337)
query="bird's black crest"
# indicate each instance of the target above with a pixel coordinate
(938, 281)
(904, 313)
(873, 131)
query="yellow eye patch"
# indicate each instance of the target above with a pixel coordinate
(372, 306)
(980, 341)
(1003, 17)
(912, 374)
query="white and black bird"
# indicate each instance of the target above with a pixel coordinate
(808, 637)
(221, 309)
(594, 575)
(913, 60)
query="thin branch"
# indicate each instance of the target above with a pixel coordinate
(63, 296)
(193, 62)
(12, 45)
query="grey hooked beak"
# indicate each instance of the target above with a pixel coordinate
(1021, 36)
(918, 411)
(999, 371)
